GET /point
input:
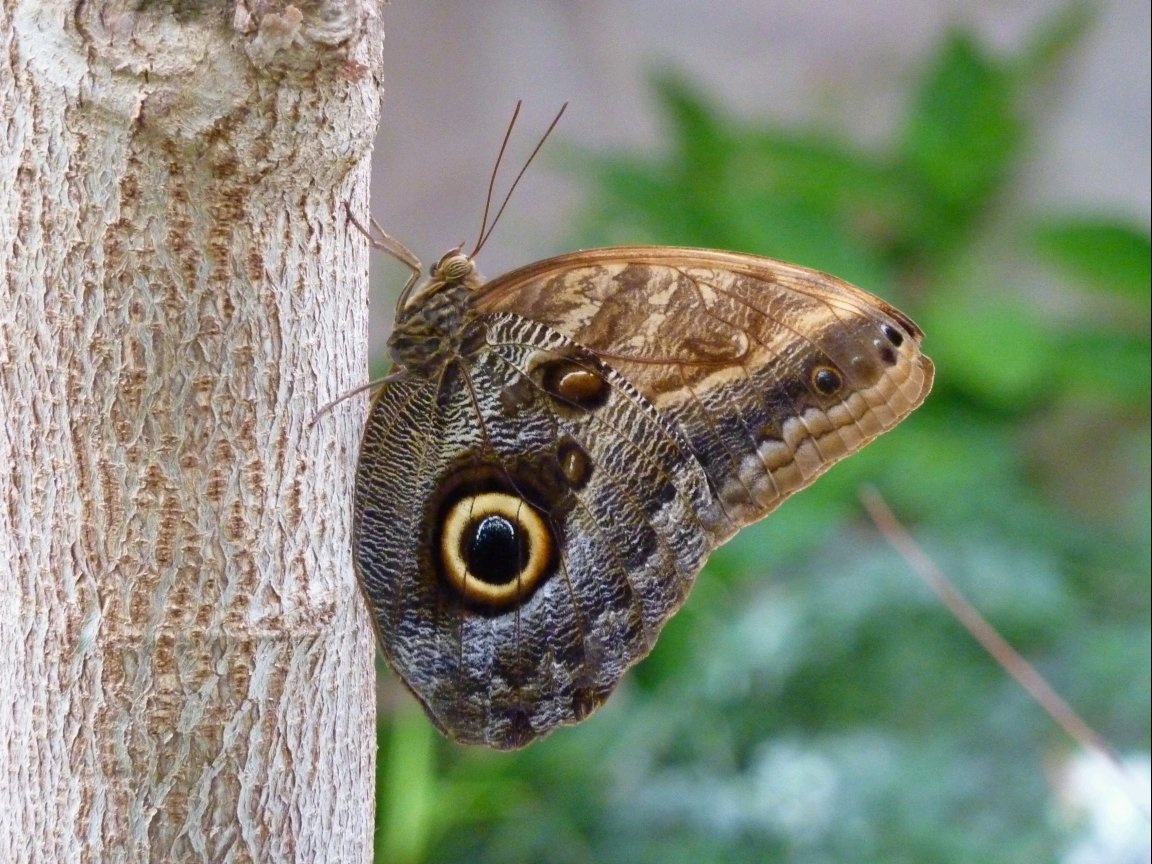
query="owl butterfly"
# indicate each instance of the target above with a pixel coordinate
(558, 451)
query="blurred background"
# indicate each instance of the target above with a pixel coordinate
(983, 165)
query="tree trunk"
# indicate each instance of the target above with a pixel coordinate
(186, 666)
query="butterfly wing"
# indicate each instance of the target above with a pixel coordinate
(531, 451)
(529, 516)
(771, 371)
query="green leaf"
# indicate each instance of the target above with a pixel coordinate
(1108, 255)
(1109, 364)
(406, 787)
(699, 135)
(961, 137)
(991, 348)
(1056, 37)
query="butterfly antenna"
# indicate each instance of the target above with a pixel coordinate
(495, 171)
(485, 234)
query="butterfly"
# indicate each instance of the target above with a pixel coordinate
(561, 449)
(558, 451)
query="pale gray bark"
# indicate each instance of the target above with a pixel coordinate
(185, 665)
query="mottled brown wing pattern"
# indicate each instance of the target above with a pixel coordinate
(559, 451)
(772, 371)
(619, 501)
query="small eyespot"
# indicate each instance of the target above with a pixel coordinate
(826, 380)
(574, 384)
(575, 463)
(892, 334)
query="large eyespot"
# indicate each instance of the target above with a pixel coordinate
(495, 548)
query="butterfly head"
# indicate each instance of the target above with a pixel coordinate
(455, 267)
(431, 317)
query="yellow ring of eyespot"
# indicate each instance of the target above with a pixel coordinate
(467, 512)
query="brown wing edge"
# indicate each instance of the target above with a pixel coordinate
(492, 292)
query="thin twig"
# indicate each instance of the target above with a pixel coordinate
(976, 624)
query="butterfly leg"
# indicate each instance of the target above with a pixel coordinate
(380, 239)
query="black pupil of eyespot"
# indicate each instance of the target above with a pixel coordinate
(894, 335)
(827, 381)
(496, 550)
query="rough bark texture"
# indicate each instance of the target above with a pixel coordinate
(185, 665)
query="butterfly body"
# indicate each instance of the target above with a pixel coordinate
(560, 449)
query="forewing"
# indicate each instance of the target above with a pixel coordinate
(771, 371)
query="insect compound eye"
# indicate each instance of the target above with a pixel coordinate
(453, 267)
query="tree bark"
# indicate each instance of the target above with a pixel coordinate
(186, 667)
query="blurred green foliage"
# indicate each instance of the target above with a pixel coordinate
(813, 702)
